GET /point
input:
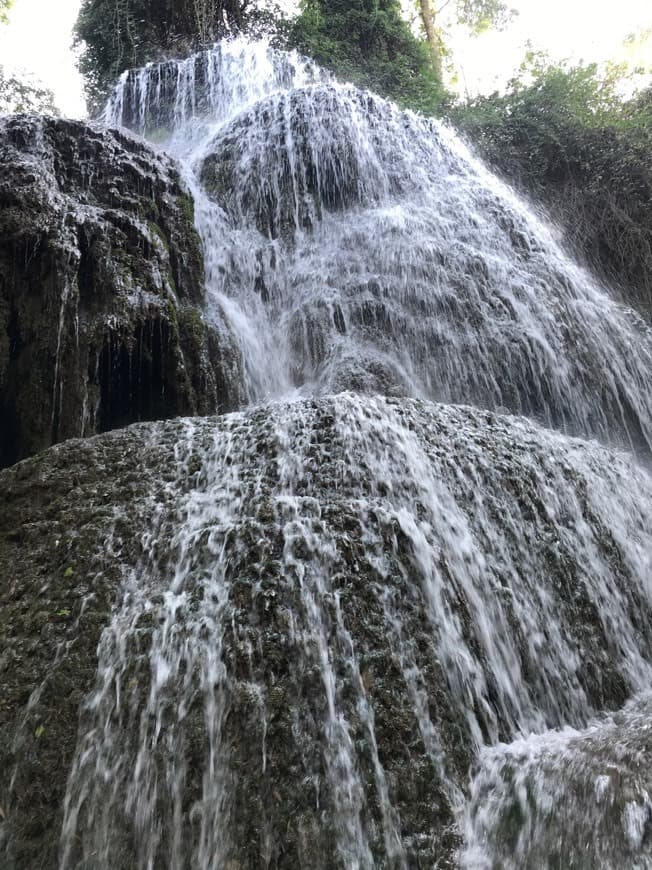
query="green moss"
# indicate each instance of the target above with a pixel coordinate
(173, 319)
(187, 206)
(191, 323)
(370, 44)
(217, 175)
(157, 232)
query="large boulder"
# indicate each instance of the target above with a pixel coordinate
(290, 158)
(101, 283)
(281, 638)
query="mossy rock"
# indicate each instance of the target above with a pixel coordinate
(335, 586)
(93, 266)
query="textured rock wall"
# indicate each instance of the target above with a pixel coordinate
(279, 638)
(101, 279)
(65, 532)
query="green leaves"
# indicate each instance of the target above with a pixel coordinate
(481, 15)
(5, 6)
(117, 34)
(568, 137)
(23, 94)
(368, 43)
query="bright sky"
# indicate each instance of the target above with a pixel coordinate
(587, 30)
(38, 40)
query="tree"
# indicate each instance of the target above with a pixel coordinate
(568, 138)
(434, 43)
(22, 94)
(369, 43)
(477, 15)
(637, 52)
(117, 34)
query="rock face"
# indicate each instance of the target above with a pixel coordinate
(313, 165)
(163, 97)
(101, 279)
(62, 506)
(313, 634)
(281, 638)
(543, 801)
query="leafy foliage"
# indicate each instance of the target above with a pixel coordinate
(480, 15)
(5, 6)
(476, 16)
(567, 137)
(369, 43)
(21, 94)
(117, 34)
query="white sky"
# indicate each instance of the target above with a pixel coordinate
(587, 30)
(38, 40)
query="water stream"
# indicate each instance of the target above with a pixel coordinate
(387, 623)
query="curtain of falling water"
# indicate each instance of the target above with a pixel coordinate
(355, 247)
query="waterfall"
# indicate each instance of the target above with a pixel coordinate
(389, 620)
(590, 778)
(357, 246)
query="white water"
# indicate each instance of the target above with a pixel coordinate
(548, 800)
(500, 576)
(501, 572)
(354, 246)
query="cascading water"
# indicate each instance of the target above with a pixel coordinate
(356, 599)
(358, 247)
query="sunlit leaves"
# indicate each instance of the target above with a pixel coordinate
(481, 15)
(24, 94)
(5, 6)
(369, 43)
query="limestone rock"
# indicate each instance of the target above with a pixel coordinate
(101, 279)
(282, 637)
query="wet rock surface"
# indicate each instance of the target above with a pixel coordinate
(158, 99)
(545, 801)
(65, 534)
(314, 634)
(101, 285)
(281, 638)
(310, 163)
(384, 258)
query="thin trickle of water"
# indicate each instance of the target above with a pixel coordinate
(166, 637)
(354, 599)
(59, 299)
(309, 559)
